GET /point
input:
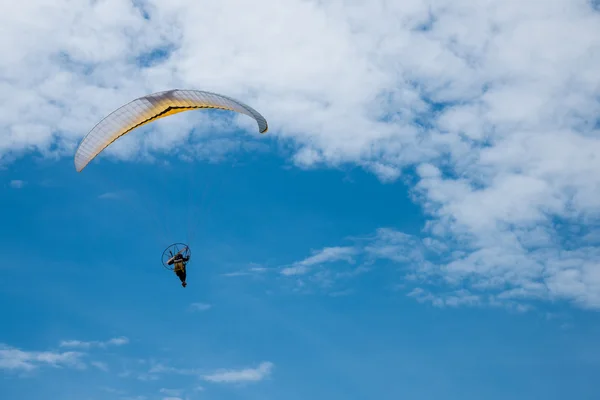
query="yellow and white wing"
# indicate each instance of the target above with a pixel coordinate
(150, 108)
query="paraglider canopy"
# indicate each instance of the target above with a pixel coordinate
(149, 108)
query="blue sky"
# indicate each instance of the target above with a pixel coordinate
(421, 221)
(89, 271)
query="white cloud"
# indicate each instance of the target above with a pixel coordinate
(463, 297)
(495, 104)
(397, 246)
(460, 297)
(259, 373)
(15, 359)
(155, 371)
(450, 275)
(372, 58)
(117, 341)
(326, 255)
(17, 184)
(252, 271)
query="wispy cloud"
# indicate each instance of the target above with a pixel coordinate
(262, 371)
(423, 260)
(397, 246)
(252, 270)
(117, 341)
(463, 297)
(329, 269)
(460, 297)
(15, 359)
(326, 255)
(158, 370)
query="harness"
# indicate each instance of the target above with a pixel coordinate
(179, 266)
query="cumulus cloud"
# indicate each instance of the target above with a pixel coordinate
(262, 371)
(359, 85)
(494, 104)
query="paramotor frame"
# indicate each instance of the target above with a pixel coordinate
(172, 251)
